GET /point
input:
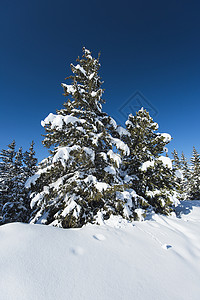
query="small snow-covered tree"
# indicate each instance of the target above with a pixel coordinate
(14, 209)
(186, 174)
(15, 206)
(149, 173)
(176, 164)
(195, 176)
(176, 161)
(30, 161)
(80, 181)
(7, 171)
(2, 188)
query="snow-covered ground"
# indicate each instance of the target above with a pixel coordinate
(155, 259)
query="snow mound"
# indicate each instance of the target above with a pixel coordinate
(155, 259)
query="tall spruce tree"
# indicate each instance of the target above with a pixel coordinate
(150, 173)
(80, 181)
(195, 176)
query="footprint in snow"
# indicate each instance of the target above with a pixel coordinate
(166, 246)
(99, 237)
(77, 250)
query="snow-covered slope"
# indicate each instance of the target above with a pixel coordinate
(155, 259)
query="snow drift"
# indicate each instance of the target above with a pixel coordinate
(155, 259)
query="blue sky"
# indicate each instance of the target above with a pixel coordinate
(147, 46)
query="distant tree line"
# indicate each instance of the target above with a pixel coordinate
(15, 168)
(187, 175)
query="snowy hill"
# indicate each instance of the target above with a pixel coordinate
(155, 259)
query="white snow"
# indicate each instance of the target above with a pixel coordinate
(113, 123)
(166, 161)
(91, 75)
(37, 198)
(121, 146)
(90, 153)
(93, 94)
(69, 87)
(32, 180)
(167, 137)
(100, 186)
(78, 67)
(110, 170)
(151, 260)
(179, 174)
(146, 165)
(63, 154)
(71, 206)
(115, 157)
(58, 120)
(153, 193)
(122, 131)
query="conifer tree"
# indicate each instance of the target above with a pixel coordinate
(195, 176)
(2, 188)
(80, 181)
(14, 209)
(14, 200)
(176, 163)
(7, 173)
(6, 167)
(30, 161)
(185, 183)
(150, 173)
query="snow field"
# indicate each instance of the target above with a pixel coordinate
(155, 259)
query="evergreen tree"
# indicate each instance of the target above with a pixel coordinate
(150, 173)
(14, 200)
(2, 190)
(185, 183)
(30, 168)
(80, 182)
(195, 176)
(30, 161)
(176, 163)
(14, 209)
(7, 173)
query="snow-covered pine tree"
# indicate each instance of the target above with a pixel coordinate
(2, 188)
(14, 209)
(14, 200)
(30, 161)
(195, 176)
(185, 183)
(80, 181)
(176, 161)
(7, 172)
(30, 168)
(149, 173)
(176, 164)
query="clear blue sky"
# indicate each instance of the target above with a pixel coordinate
(147, 46)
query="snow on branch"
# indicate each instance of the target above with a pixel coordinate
(58, 120)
